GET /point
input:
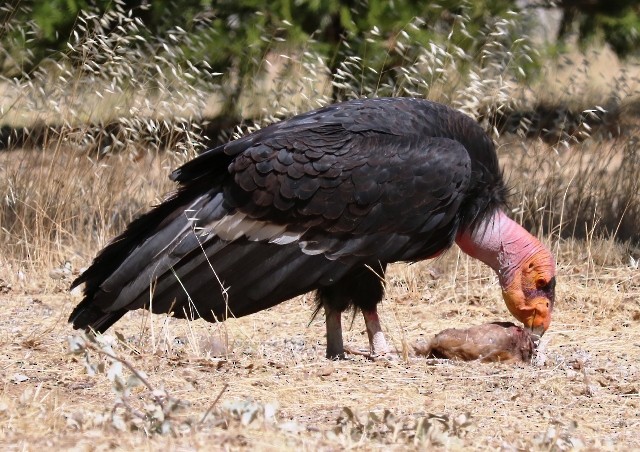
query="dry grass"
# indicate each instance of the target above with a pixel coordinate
(576, 190)
(60, 204)
(49, 197)
(582, 391)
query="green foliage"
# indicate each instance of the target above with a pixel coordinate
(236, 34)
(616, 22)
(56, 17)
(373, 42)
(623, 32)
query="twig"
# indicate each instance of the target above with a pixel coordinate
(224, 388)
(136, 412)
(129, 366)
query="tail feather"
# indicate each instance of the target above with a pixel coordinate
(239, 279)
(130, 260)
(85, 316)
(215, 280)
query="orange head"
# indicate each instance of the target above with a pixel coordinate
(525, 267)
(530, 292)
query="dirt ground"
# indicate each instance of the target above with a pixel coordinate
(263, 382)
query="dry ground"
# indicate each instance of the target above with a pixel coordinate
(582, 391)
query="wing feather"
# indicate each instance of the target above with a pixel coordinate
(295, 206)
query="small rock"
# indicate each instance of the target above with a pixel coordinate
(20, 378)
(213, 346)
(327, 370)
(5, 287)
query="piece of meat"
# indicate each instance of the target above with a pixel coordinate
(489, 342)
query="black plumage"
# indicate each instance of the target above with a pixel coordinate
(321, 201)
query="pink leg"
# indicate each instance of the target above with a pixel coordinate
(335, 347)
(377, 342)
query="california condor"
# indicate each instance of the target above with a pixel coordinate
(321, 201)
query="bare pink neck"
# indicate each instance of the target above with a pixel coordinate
(501, 243)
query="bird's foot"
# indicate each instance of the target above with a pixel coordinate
(336, 355)
(386, 356)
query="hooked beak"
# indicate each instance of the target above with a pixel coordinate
(537, 331)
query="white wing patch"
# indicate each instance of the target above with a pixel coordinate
(285, 238)
(311, 248)
(232, 227)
